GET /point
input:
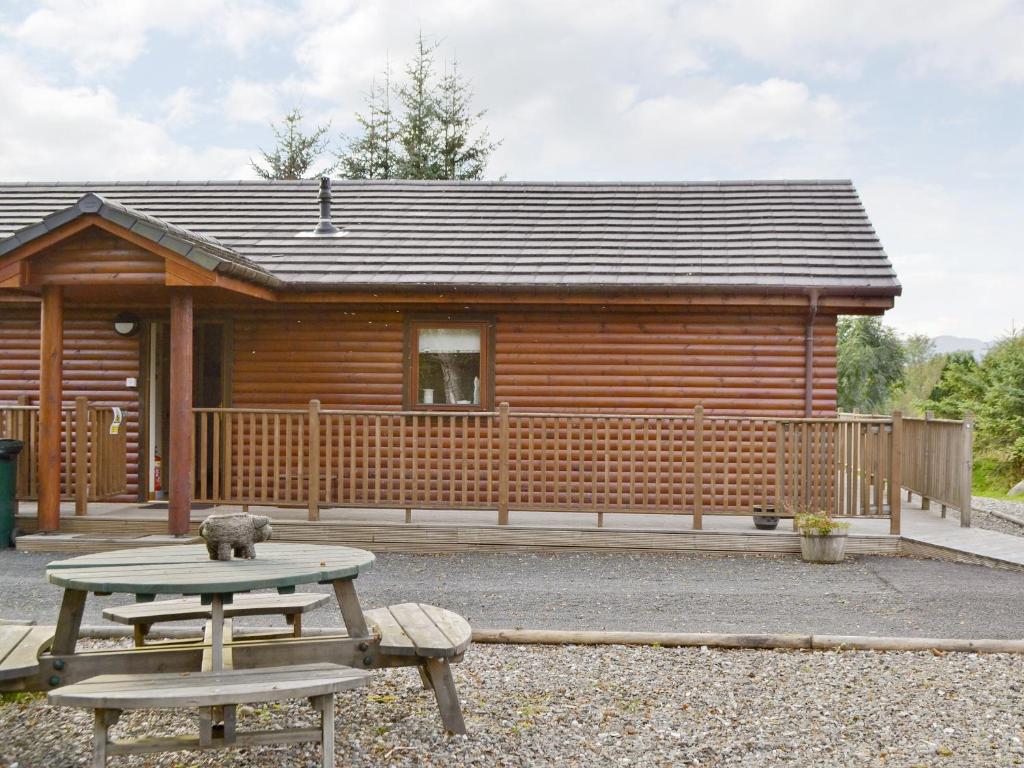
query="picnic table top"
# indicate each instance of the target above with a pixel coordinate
(188, 569)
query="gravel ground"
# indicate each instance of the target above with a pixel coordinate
(670, 592)
(981, 504)
(604, 706)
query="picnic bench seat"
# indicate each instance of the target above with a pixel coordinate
(142, 616)
(20, 647)
(110, 695)
(431, 638)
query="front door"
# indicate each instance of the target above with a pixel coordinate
(211, 388)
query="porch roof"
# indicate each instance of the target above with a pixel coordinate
(203, 250)
(764, 236)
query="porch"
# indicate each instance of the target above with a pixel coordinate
(679, 470)
(925, 532)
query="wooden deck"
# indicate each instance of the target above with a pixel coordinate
(925, 533)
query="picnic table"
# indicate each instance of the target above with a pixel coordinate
(147, 572)
(223, 671)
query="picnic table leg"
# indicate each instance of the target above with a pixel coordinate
(69, 622)
(325, 705)
(424, 678)
(102, 720)
(440, 674)
(351, 611)
(140, 632)
(217, 632)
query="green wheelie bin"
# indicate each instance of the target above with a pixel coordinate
(9, 450)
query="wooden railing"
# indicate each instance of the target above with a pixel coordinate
(85, 432)
(845, 467)
(570, 462)
(936, 462)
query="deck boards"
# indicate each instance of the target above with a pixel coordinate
(446, 537)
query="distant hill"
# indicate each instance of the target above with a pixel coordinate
(946, 344)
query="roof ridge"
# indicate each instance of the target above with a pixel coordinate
(433, 182)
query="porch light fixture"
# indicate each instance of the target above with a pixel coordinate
(126, 324)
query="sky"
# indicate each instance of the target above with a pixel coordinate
(919, 102)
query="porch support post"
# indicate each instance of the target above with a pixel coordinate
(181, 427)
(812, 313)
(51, 363)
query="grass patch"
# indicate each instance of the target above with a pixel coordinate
(21, 697)
(992, 480)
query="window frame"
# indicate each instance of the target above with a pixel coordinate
(411, 366)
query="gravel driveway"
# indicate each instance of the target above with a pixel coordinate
(980, 517)
(665, 592)
(616, 706)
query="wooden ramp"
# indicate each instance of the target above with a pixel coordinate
(974, 546)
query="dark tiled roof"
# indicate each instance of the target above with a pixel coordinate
(200, 249)
(784, 235)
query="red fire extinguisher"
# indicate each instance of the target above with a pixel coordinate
(156, 470)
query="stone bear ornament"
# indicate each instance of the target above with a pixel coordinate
(236, 532)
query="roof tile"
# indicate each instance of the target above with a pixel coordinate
(762, 234)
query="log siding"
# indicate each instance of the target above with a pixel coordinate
(658, 362)
(636, 362)
(96, 363)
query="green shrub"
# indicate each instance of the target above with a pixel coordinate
(820, 524)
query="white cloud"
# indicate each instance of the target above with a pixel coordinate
(105, 35)
(957, 253)
(53, 133)
(579, 89)
(253, 102)
(181, 107)
(978, 39)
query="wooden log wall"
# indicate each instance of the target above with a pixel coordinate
(285, 357)
(578, 360)
(575, 361)
(733, 364)
(96, 257)
(581, 359)
(96, 363)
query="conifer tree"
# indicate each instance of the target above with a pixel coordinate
(417, 128)
(429, 131)
(464, 150)
(371, 154)
(295, 151)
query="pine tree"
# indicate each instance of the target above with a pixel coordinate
(463, 155)
(417, 128)
(371, 154)
(295, 151)
(431, 131)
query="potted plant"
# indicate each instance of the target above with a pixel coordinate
(822, 539)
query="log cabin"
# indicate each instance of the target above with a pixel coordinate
(164, 299)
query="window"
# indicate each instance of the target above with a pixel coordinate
(448, 365)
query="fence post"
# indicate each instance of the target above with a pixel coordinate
(313, 492)
(926, 474)
(698, 467)
(503, 464)
(28, 457)
(966, 469)
(82, 455)
(895, 456)
(780, 471)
